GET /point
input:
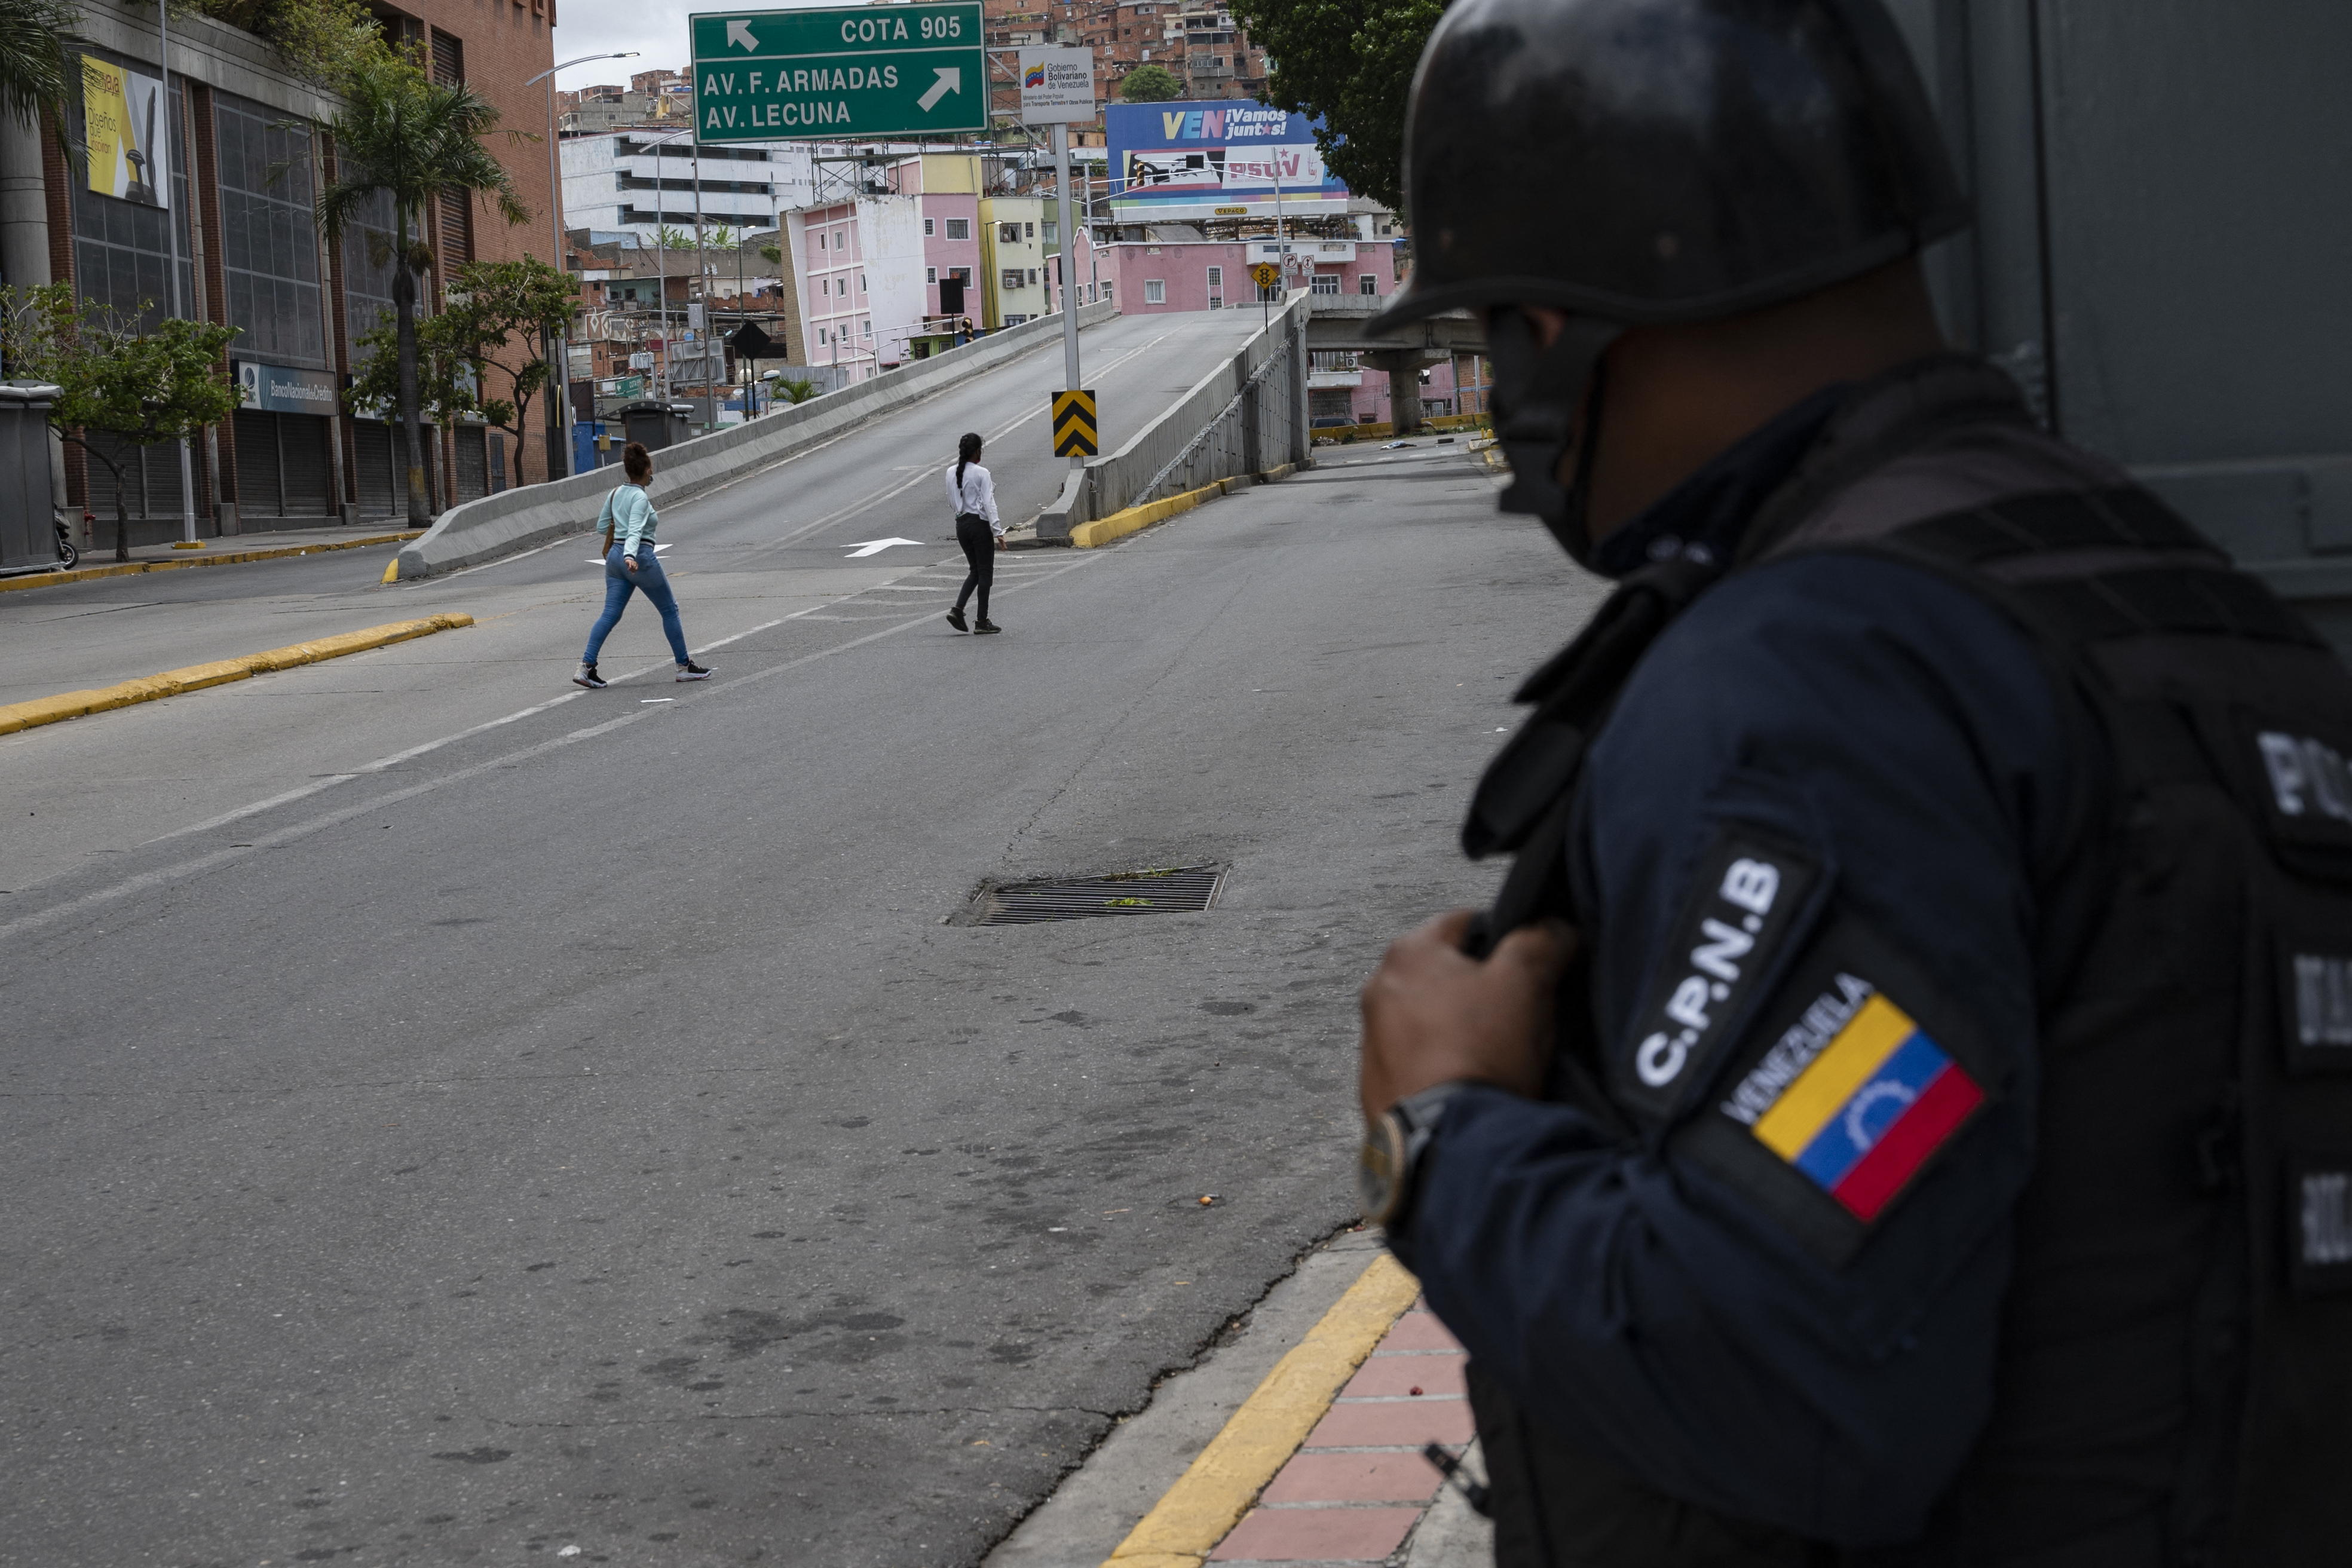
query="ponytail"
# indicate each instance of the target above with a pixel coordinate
(967, 453)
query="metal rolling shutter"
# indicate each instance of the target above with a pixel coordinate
(373, 462)
(258, 490)
(308, 464)
(473, 463)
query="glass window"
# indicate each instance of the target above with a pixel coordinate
(930, 274)
(1010, 277)
(962, 275)
(1155, 291)
(120, 251)
(1216, 276)
(270, 246)
(367, 281)
(1030, 231)
(959, 228)
(1053, 231)
(1325, 283)
(1368, 283)
(930, 225)
(1008, 234)
(1107, 292)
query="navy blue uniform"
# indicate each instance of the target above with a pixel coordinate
(1807, 836)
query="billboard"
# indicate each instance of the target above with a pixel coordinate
(1057, 86)
(122, 119)
(1176, 163)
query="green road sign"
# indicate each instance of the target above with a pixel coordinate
(852, 72)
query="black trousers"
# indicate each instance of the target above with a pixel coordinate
(979, 541)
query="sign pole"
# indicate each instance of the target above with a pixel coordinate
(1069, 272)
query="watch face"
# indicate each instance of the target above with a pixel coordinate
(1378, 1167)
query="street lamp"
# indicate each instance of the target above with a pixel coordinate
(559, 452)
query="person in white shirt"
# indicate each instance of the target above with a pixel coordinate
(973, 495)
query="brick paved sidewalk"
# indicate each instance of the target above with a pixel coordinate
(1357, 1489)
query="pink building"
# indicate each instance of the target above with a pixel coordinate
(870, 268)
(1149, 276)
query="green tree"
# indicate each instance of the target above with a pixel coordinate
(1351, 63)
(722, 237)
(322, 41)
(498, 305)
(141, 388)
(670, 238)
(33, 79)
(1149, 84)
(772, 254)
(403, 133)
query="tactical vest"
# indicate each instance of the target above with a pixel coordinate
(2175, 1372)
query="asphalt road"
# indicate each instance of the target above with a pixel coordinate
(588, 1130)
(775, 544)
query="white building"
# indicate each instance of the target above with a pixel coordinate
(632, 180)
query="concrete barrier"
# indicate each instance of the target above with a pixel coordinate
(515, 519)
(1246, 416)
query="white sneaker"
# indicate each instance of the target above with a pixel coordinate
(586, 676)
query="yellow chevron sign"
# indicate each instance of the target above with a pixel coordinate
(1074, 425)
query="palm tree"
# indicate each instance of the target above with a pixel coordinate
(32, 65)
(416, 140)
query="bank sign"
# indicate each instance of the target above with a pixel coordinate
(852, 72)
(1192, 161)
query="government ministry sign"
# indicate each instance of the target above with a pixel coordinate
(850, 72)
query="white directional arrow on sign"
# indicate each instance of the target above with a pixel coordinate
(876, 547)
(739, 32)
(951, 80)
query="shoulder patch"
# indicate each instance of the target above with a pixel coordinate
(1744, 903)
(1840, 1101)
(1857, 1111)
(2319, 1219)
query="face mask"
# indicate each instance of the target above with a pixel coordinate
(1536, 390)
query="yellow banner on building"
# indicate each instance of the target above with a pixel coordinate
(122, 115)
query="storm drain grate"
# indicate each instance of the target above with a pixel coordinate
(1171, 890)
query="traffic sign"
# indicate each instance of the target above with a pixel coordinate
(1074, 425)
(848, 72)
(1265, 274)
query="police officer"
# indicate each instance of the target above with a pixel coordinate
(1895, 1111)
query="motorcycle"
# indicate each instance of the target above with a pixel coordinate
(68, 556)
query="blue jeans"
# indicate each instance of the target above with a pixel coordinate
(619, 584)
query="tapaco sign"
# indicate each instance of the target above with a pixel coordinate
(1057, 86)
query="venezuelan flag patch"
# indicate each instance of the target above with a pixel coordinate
(1869, 1110)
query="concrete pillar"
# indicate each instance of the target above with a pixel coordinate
(25, 244)
(23, 207)
(1404, 401)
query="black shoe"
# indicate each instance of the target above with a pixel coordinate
(985, 626)
(586, 676)
(690, 670)
(955, 619)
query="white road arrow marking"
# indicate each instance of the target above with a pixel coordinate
(739, 32)
(951, 80)
(876, 547)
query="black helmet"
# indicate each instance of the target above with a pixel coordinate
(1664, 160)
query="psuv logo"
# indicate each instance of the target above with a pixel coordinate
(1742, 906)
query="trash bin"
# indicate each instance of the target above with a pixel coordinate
(655, 425)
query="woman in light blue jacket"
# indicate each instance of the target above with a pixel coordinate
(629, 521)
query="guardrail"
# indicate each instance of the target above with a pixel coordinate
(515, 519)
(1246, 416)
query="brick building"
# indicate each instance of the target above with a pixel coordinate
(248, 156)
(1207, 50)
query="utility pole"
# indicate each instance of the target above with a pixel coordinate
(558, 406)
(1069, 273)
(171, 216)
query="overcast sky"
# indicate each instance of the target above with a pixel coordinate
(655, 28)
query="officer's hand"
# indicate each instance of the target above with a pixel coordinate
(1433, 1014)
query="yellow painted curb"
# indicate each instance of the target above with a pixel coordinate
(1210, 1497)
(40, 710)
(133, 568)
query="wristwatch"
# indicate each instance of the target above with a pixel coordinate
(1386, 1169)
